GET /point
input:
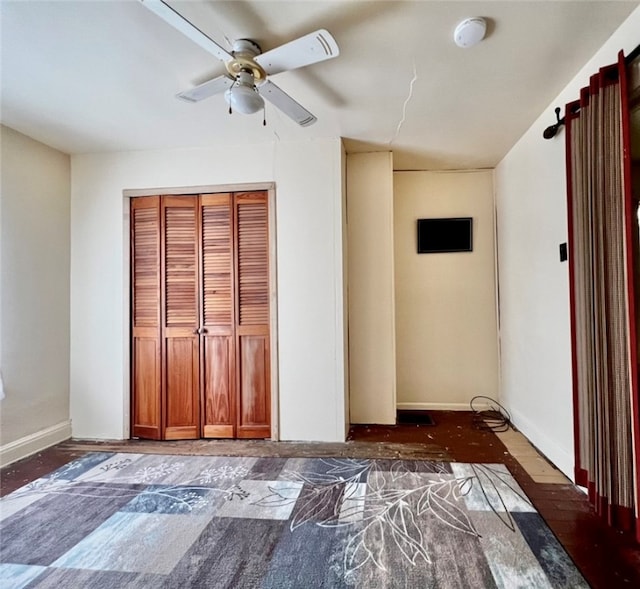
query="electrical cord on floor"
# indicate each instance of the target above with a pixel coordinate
(496, 418)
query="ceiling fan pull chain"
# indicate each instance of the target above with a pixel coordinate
(264, 115)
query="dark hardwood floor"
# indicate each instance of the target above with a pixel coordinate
(606, 558)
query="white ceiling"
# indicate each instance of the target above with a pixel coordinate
(101, 76)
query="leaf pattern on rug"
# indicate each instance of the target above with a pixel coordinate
(181, 497)
(149, 474)
(490, 480)
(406, 533)
(367, 545)
(437, 499)
(221, 473)
(118, 465)
(389, 514)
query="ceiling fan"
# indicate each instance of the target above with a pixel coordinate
(246, 83)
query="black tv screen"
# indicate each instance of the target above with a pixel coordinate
(445, 235)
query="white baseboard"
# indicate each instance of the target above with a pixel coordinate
(33, 443)
(437, 406)
(561, 458)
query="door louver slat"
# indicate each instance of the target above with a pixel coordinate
(217, 268)
(253, 268)
(146, 267)
(180, 267)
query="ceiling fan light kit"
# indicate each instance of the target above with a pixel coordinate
(243, 96)
(470, 32)
(246, 83)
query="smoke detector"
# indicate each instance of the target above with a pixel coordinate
(470, 32)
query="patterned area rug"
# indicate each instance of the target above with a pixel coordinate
(138, 520)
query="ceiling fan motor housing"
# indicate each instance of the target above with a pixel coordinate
(244, 54)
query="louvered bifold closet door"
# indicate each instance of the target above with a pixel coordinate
(252, 315)
(218, 341)
(181, 354)
(146, 355)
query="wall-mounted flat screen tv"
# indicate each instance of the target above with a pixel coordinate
(437, 236)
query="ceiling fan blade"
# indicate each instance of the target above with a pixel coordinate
(312, 48)
(286, 104)
(202, 91)
(181, 24)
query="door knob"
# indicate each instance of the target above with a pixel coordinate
(200, 331)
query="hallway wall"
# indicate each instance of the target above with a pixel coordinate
(445, 303)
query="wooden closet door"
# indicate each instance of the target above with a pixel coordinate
(181, 354)
(218, 341)
(146, 355)
(253, 396)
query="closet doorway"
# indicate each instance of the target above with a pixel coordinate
(201, 315)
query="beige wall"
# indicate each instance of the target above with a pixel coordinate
(309, 226)
(446, 334)
(372, 377)
(34, 280)
(534, 286)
